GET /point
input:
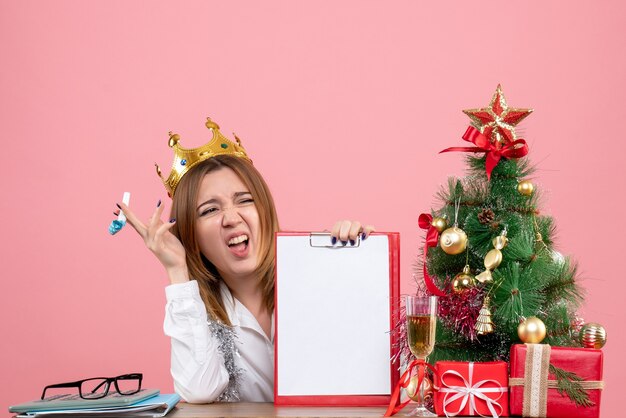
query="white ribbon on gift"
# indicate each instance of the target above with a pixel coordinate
(469, 393)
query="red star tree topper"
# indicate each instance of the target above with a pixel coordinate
(497, 121)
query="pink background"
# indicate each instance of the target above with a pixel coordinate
(343, 106)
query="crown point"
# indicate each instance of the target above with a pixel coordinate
(174, 138)
(211, 125)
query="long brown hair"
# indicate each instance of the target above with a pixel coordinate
(201, 269)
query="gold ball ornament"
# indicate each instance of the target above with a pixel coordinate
(453, 241)
(525, 187)
(592, 335)
(440, 224)
(420, 395)
(463, 281)
(532, 330)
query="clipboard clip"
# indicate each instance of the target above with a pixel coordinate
(323, 240)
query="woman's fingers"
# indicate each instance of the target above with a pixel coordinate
(161, 242)
(154, 238)
(341, 230)
(155, 219)
(366, 231)
(133, 220)
(349, 231)
(163, 228)
(160, 231)
(353, 232)
(334, 233)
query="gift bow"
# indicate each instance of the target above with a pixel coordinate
(515, 149)
(404, 381)
(432, 237)
(469, 393)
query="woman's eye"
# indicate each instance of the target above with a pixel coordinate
(208, 211)
(248, 200)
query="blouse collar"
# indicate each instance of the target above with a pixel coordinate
(239, 315)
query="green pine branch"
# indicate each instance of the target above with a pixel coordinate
(547, 229)
(450, 345)
(481, 235)
(513, 168)
(562, 284)
(569, 383)
(516, 293)
(521, 245)
(558, 320)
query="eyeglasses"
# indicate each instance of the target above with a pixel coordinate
(98, 387)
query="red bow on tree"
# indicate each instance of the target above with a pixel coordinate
(515, 149)
(432, 237)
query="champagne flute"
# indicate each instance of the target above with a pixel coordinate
(421, 317)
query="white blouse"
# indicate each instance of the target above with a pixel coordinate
(198, 366)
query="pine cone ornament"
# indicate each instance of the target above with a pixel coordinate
(486, 216)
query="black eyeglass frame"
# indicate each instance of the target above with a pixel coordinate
(105, 381)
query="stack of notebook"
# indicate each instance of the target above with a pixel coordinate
(145, 403)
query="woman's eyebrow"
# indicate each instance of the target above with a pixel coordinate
(208, 202)
(238, 194)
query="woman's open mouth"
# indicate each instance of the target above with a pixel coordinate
(239, 245)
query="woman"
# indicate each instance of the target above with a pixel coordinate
(218, 252)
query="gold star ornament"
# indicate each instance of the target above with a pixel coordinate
(497, 121)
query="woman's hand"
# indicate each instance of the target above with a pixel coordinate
(349, 230)
(163, 244)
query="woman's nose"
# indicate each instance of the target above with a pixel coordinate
(231, 216)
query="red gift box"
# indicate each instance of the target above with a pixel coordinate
(472, 389)
(533, 388)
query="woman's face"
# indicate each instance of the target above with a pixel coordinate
(227, 224)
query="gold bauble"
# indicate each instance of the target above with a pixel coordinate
(592, 335)
(416, 395)
(525, 187)
(493, 259)
(439, 224)
(532, 330)
(463, 280)
(453, 241)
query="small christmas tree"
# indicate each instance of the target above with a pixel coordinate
(490, 252)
